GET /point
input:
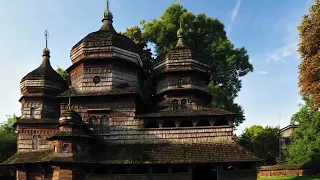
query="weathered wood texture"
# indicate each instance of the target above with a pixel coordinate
(99, 50)
(62, 174)
(184, 135)
(38, 108)
(76, 76)
(21, 175)
(34, 139)
(28, 87)
(181, 81)
(168, 103)
(124, 128)
(110, 76)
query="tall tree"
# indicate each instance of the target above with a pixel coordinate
(263, 142)
(207, 36)
(8, 139)
(309, 69)
(306, 139)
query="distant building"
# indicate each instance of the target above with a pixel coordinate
(103, 128)
(286, 134)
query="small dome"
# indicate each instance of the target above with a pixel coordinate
(107, 15)
(180, 33)
(45, 52)
(53, 84)
(70, 116)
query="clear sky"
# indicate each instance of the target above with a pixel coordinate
(267, 28)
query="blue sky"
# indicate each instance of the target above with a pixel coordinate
(267, 28)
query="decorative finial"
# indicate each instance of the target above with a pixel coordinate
(107, 15)
(180, 35)
(46, 51)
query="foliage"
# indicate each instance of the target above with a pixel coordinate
(135, 34)
(306, 139)
(290, 178)
(8, 138)
(262, 141)
(64, 75)
(207, 36)
(309, 69)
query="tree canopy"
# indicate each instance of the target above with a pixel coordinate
(8, 139)
(64, 75)
(309, 69)
(263, 142)
(205, 35)
(306, 139)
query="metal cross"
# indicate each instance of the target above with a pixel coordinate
(46, 35)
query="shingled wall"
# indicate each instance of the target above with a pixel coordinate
(110, 75)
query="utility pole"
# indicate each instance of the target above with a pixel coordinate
(280, 158)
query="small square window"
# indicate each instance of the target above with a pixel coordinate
(180, 82)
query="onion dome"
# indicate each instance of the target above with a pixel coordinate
(180, 35)
(107, 15)
(70, 117)
(44, 79)
(96, 45)
(181, 58)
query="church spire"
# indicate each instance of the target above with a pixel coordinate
(46, 51)
(181, 36)
(107, 15)
(107, 20)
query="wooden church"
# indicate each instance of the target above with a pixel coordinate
(103, 127)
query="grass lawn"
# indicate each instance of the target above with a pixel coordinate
(291, 178)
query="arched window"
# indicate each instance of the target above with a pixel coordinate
(175, 104)
(221, 122)
(203, 122)
(180, 82)
(64, 147)
(94, 124)
(105, 124)
(152, 124)
(186, 123)
(32, 112)
(168, 123)
(35, 142)
(184, 104)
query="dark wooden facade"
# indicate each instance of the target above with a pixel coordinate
(102, 128)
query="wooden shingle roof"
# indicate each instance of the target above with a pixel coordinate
(145, 154)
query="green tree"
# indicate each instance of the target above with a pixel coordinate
(147, 86)
(309, 68)
(8, 139)
(306, 139)
(207, 36)
(64, 75)
(262, 141)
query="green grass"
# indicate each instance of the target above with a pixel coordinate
(290, 178)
